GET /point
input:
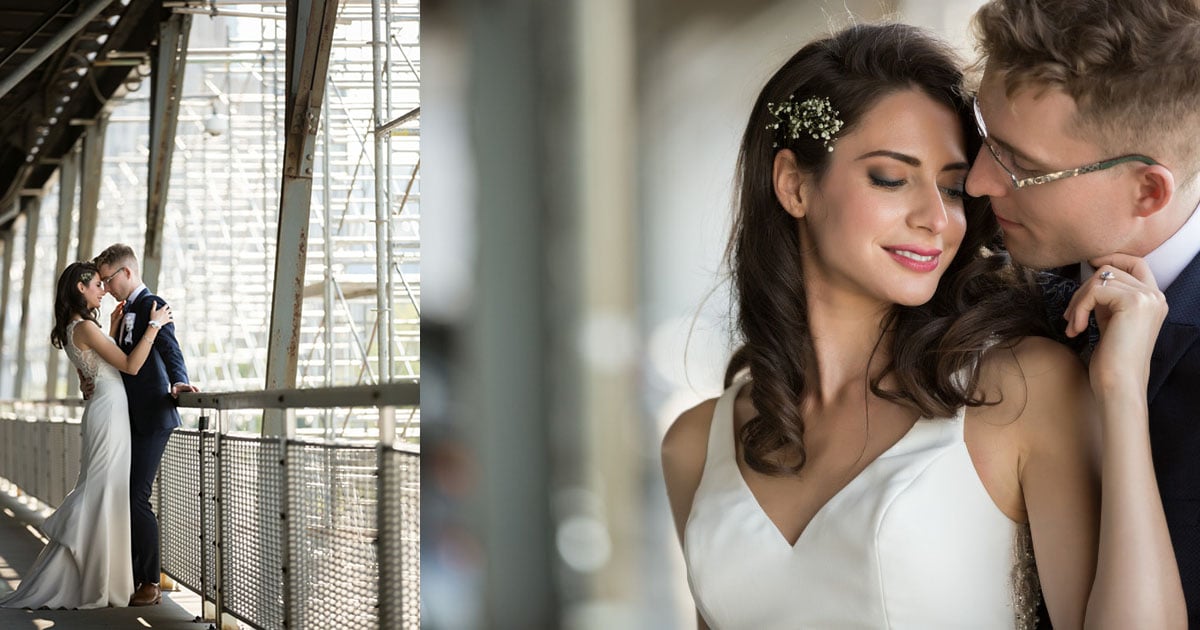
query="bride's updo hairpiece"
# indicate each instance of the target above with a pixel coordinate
(814, 115)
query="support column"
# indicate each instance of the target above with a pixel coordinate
(5, 283)
(605, 117)
(327, 252)
(512, 359)
(166, 88)
(383, 271)
(31, 207)
(66, 208)
(89, 199)
(89, 193)
(309, 38)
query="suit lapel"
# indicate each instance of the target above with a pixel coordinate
(1182, 328)
(130, 309)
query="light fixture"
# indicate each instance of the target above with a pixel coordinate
(217, 123)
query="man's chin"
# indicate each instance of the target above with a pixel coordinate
(1035, 258)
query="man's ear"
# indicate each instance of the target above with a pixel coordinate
(1155, 189)
(791, 184)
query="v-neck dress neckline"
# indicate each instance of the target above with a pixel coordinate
(912, 541)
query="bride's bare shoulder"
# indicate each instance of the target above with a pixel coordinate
(1036, 381)
(687, 436)
(85, 334)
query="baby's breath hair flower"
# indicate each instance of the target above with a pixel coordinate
(814, 115)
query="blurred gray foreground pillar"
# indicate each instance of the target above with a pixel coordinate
(503, 370)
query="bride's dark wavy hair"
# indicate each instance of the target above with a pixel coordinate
(982, 299)
(68, 301)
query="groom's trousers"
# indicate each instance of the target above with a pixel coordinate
(146, 454)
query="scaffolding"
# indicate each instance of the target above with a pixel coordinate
(362, 273)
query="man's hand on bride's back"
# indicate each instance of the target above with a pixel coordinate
(86, 385)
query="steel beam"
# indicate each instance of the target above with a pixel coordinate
(32, 211)
(309, 38)
(89, 193)
(66, 208)
(51, 46)
(166, 90)
(28, 37)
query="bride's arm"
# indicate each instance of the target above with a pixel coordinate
(92, 337)
(684, 448)
(115, 320)
(1044, 386)
(1137, 577)
(1102, 563)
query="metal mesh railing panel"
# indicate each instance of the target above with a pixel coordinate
(352, 535)
(40, 456)
(332, 511)
(252, 569)
(27, 444)
(399, 539)
(179, 508)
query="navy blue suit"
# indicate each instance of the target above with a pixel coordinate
(1174, 398)
(152, 417)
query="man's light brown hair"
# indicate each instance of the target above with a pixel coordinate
(1132, 67)
(116, 255)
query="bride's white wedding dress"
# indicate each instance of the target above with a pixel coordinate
(87, 563)
(914, 541)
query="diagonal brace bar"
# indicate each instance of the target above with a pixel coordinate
(165, 93)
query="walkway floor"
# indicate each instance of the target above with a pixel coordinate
(18, 548)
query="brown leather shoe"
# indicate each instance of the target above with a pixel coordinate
(147, 594)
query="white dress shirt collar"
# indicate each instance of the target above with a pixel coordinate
(1168, 260)
(136, 292)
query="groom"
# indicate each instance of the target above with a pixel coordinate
(152, 412)
(1091, 113)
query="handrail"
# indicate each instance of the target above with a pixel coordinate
(405, 393)
(402, 393)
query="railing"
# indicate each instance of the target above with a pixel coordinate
(277, 532)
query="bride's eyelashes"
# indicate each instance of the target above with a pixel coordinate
(883, 182)
(958, 191)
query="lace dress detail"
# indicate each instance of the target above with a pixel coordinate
(1027, 588)
(85, 360)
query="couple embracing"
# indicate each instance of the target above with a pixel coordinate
(104, 544)
(919, 430)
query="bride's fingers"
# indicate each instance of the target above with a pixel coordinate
(1104, 286)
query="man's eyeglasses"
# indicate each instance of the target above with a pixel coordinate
(1005, 159)
(114, 275)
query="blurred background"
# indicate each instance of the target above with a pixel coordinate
(579, 158)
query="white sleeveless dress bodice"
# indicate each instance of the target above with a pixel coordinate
(88, 561)
(914, 541)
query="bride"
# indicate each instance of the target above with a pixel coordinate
(87, 562)
(894, 435)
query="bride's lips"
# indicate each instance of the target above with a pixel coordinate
(920, 259)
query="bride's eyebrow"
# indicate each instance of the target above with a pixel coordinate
(910, 160)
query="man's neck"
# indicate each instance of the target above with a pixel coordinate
(1170, 254)
(136, 291)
